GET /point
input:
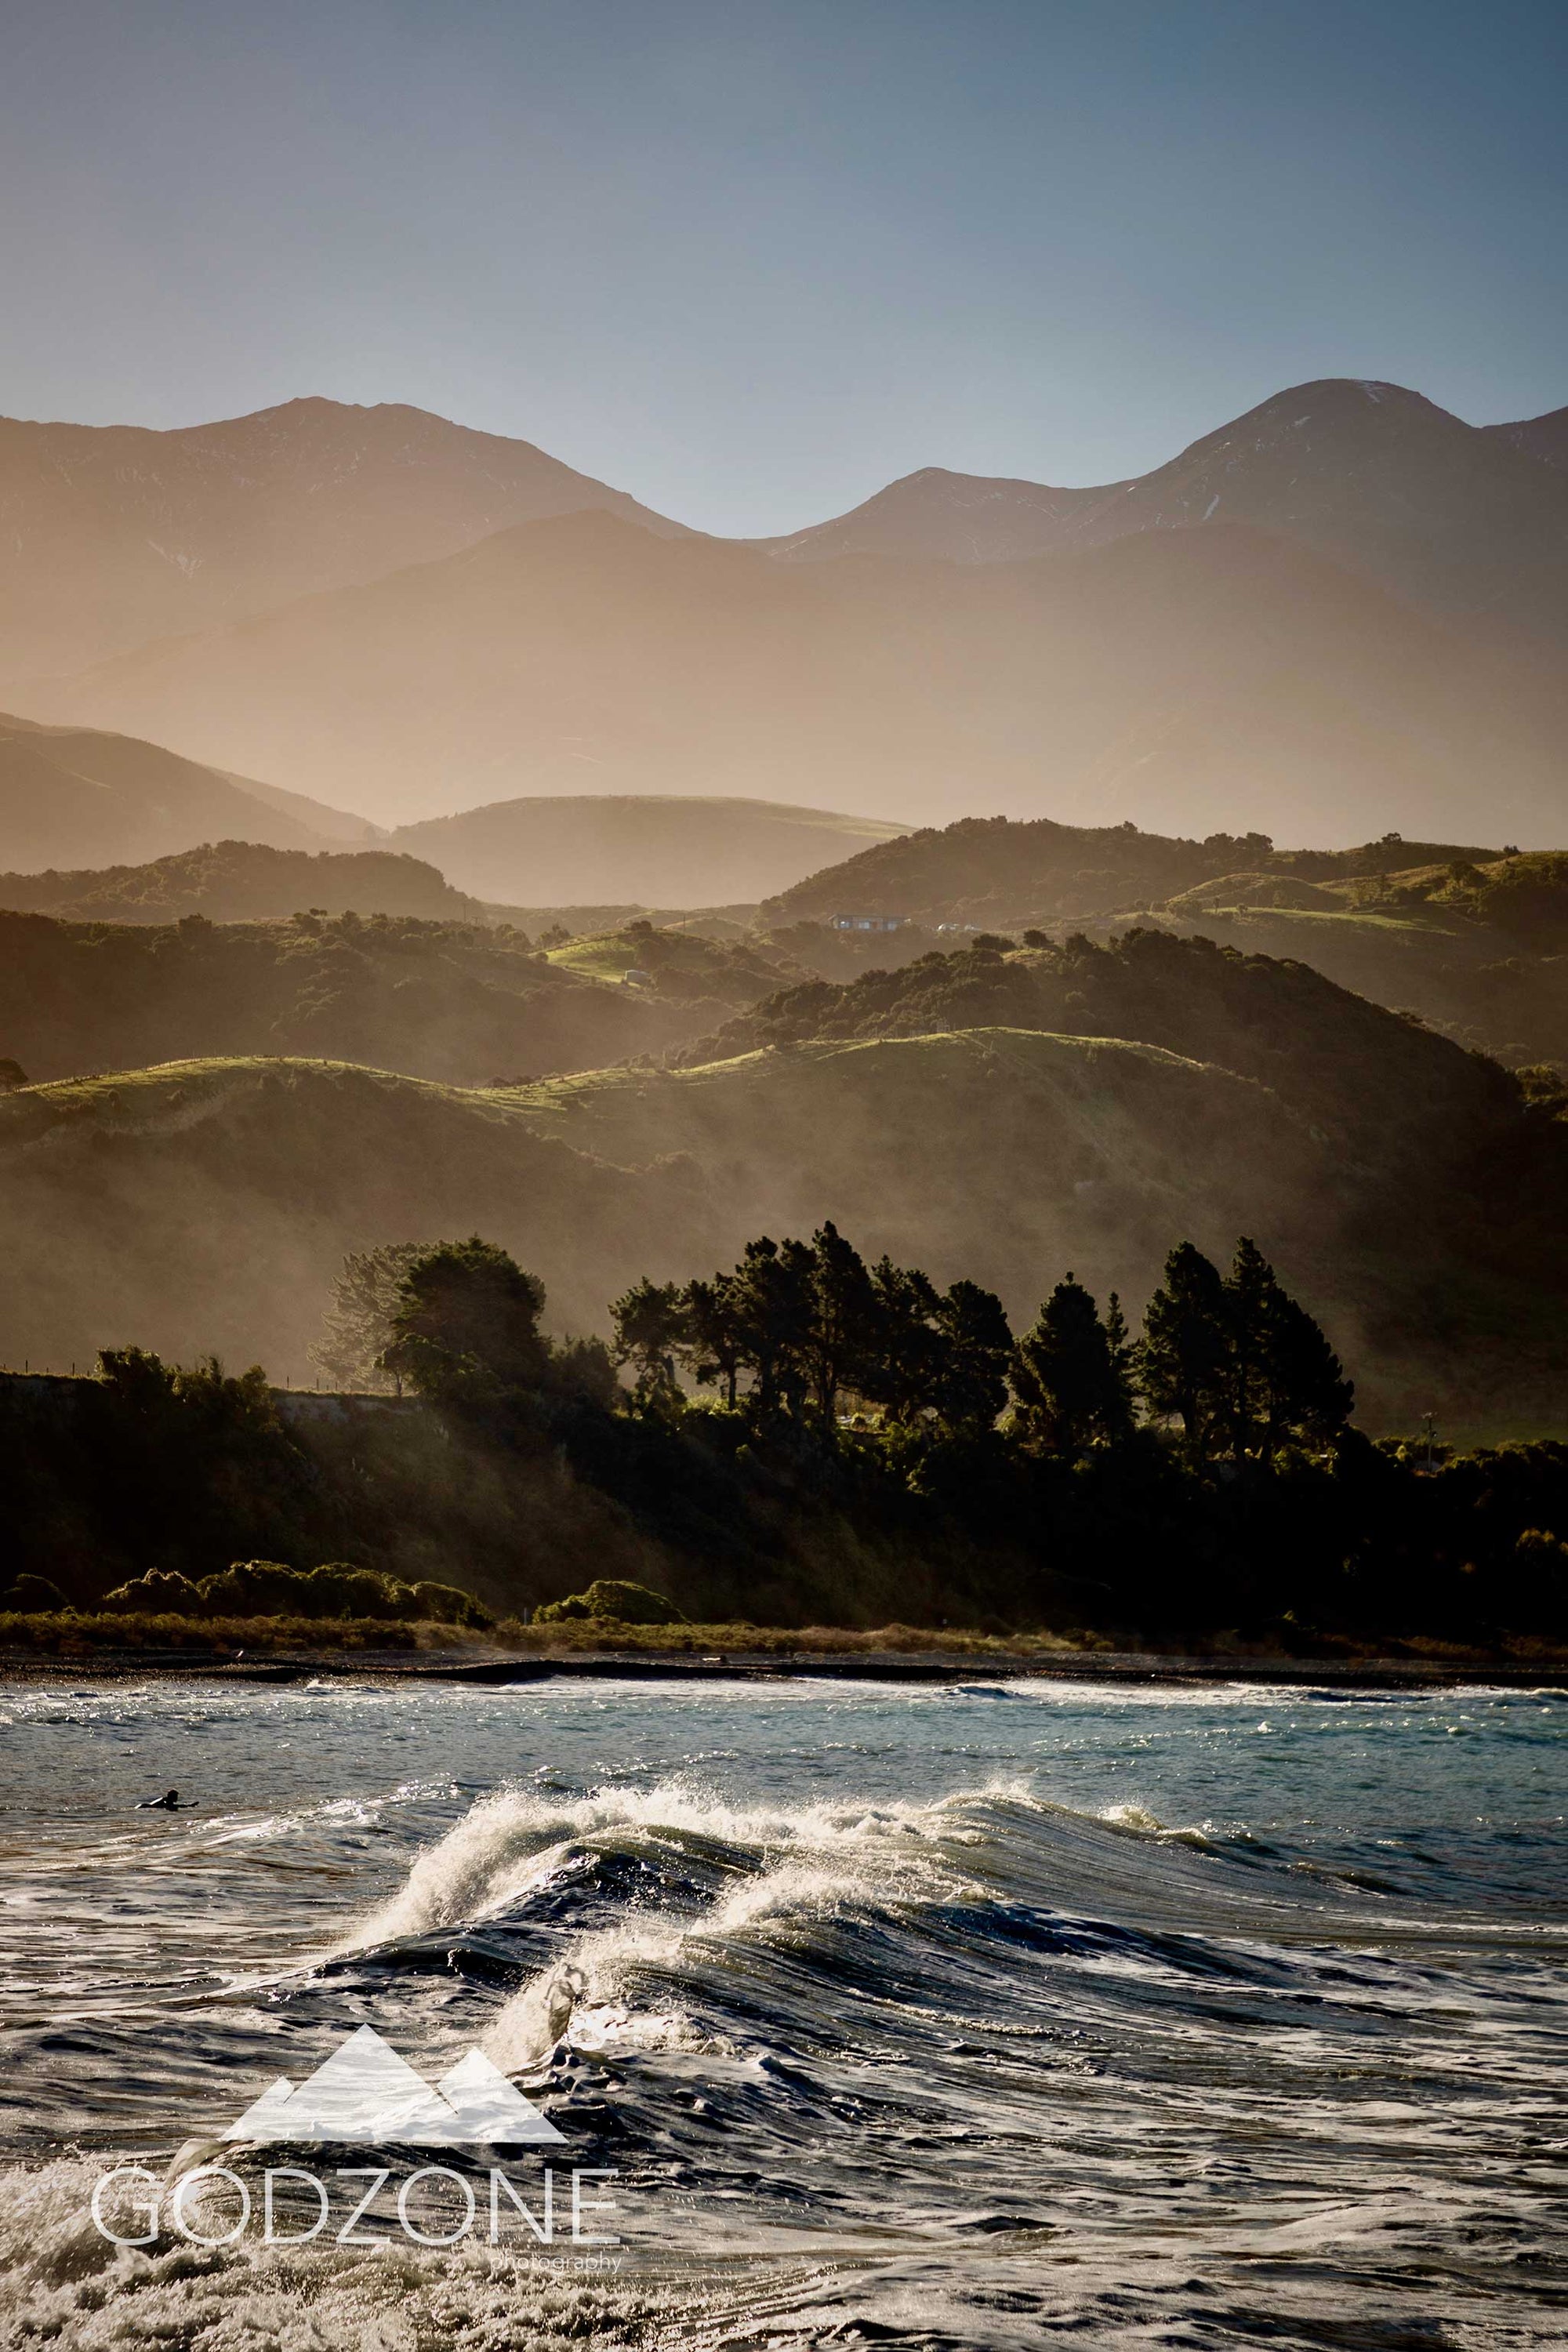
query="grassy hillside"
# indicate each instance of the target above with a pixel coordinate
(1479, 949)
(1435, 1180)
(1003, 875)
(1471, 941)
(207, 1206)
(242, 881)
(650, 851)
(441, 1000)
(1404, 1189)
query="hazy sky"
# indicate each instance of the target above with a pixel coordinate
(751, 258)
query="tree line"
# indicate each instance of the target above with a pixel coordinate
(808, 1333)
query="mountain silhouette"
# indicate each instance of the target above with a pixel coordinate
(365, 2092)
(1457, 519)
(113, 534)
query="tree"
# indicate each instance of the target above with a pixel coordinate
(1069, 1385)
(840, 1337)
(772, 1296)
(1183, 1362)
(715, 1336)
(651, 1326)
(356, 1329)
(1285, 1380)
(971, 1387)
(466, 1329)
(909, 1352)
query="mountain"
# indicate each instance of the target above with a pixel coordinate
(113, 534)
(1215, 678)
(79, 796)
(958, 517)
(649, 851)
(242, 881)
(1455, 519)
(1545, 438)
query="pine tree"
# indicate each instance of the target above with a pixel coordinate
(840, 1348)
(771, 1298)
(971, 1389)
(715, 1340)
(1285, 1380)
(1070, 1387)
(1183, 1361)
(911, 1351)
(650, 1325)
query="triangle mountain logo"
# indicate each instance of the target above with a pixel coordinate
(367, 2094)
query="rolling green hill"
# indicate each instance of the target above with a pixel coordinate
(448, 1000)
(1408, 1194)
(1481, 957)
(1002, 875)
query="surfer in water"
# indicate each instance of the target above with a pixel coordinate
(167, 1803)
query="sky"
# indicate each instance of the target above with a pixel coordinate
(750, 259)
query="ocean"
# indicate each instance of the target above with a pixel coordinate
(996, 2015)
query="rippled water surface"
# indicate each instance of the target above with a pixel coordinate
(1001, 2015)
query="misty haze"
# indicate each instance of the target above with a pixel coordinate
(784, 1162)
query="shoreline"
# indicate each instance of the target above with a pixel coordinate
(501, 1672)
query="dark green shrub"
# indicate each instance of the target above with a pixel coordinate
(159, 1593)
(31, 1595)
(616, 1602)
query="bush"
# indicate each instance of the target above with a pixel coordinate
(266, 1588)
(612, 1601)
(31, 1595)
(156, 1594)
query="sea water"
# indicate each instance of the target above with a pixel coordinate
(1010, 2014)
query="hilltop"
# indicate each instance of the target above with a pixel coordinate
(243, 881)
(648, 851)
(76, 795)
(998, 873)
(1481, 956)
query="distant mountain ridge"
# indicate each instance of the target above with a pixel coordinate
(78, 796)
(1457, 519)
(1345, 604)
(111, 535)
(1181, 679)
